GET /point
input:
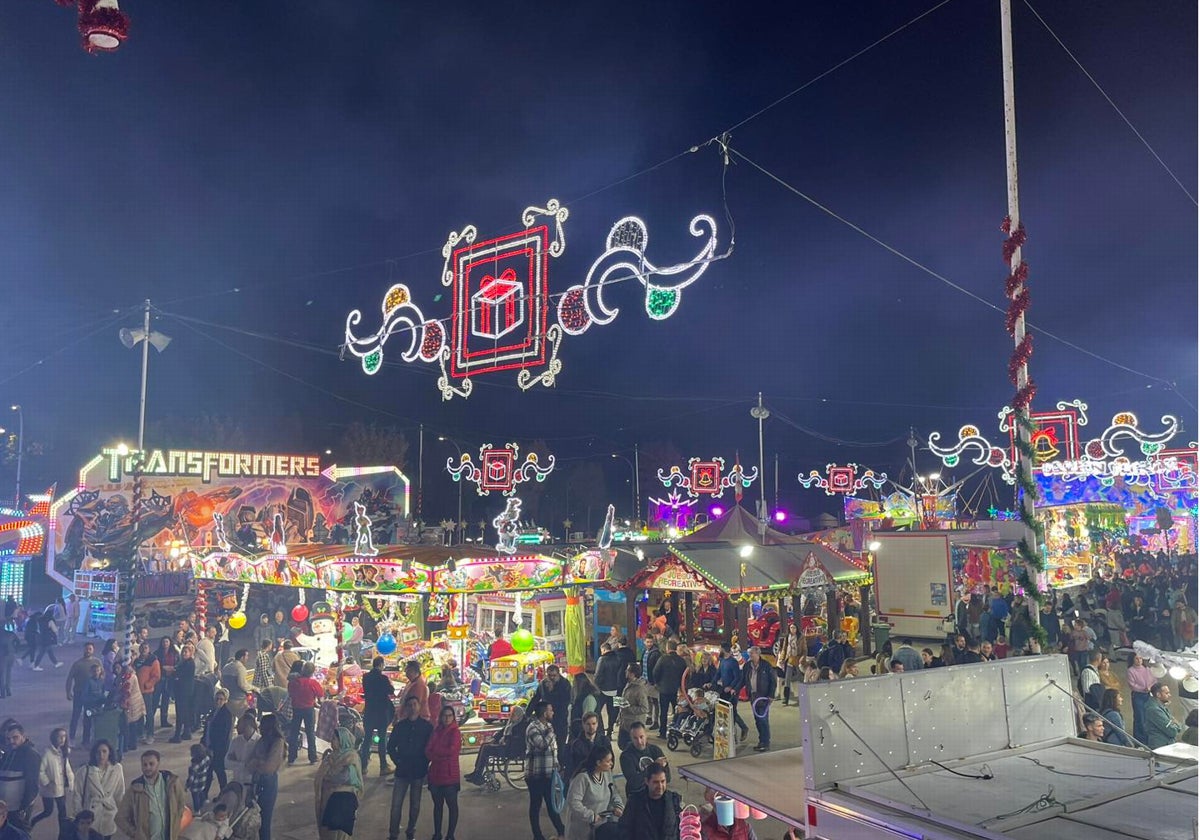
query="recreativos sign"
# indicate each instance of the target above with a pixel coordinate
(1086, 468)
(677, 577)
(814, 575)
(207, 465)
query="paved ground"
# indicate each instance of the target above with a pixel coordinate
(39, 701)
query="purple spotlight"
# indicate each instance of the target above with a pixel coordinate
(781, 516)
(716, 510)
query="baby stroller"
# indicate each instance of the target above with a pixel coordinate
(245, 818)
(693, 722)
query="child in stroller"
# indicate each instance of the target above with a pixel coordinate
(693, 721)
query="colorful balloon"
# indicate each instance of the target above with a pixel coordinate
(237, 621)
(386, 644)
(299, 613)
(521, 640)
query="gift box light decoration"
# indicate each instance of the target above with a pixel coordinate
(505, 314)
(842, 479)
(1055, 434)
(498, 470)
(708, 478)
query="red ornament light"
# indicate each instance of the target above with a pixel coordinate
(299, 613)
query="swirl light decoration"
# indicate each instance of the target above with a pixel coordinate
(498, 469)
(708, 478)
(842, 479)
(504, 313)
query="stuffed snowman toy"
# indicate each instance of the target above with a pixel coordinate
(324, 636)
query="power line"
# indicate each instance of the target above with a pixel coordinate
(1109, 100)
(832, 214)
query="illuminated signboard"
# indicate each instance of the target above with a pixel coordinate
(207, 465)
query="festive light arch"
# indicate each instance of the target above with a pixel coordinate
(504, 315)
(842, 479)
(708, 478)
(498, 469)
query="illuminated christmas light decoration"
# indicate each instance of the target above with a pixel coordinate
(498, 469)
(1183, 477)
(507, 525)
(708, 478)
(503, 313)
(1056, 433)
(679, 507)
(364, 544)
(842, 479)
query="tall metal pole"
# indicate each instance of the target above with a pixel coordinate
(637, 485)
(20, 451)
(760, 414)
(420, 467)
(1016, 293)
(777, 479)
(145, 367)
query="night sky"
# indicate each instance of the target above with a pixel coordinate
(310, 154)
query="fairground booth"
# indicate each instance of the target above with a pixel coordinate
(1126, 489)
(22, 541)
(734, 580)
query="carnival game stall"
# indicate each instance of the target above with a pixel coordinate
(416, 599)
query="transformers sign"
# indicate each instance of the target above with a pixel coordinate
(505, 315)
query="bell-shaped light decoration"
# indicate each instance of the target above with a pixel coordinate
(103, 25)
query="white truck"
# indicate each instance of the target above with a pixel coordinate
(914, 579)
(968, 752)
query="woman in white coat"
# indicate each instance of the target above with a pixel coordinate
(592, 797)
(99, 787)
(55, 777)
(239, 750)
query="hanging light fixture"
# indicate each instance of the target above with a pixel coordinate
(103, 25)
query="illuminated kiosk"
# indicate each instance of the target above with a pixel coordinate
(1122, 488)
(730, 577)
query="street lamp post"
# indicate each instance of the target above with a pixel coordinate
(130, 338)
(20, 451)
(453, 443)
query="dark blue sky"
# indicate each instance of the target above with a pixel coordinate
(293, 150)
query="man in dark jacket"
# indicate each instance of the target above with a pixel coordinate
(729, 683)
(759, 678)
(626, 656)
(638, 757)
(377, 712)
(608, 680)
(667, 676)
(184, 689)
(581, 745)
(557, 692)
(19, 774)
(653, 812)
(406, 746)
(837, 653)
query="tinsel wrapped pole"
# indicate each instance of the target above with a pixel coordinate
(1018, 297)
(130, 568)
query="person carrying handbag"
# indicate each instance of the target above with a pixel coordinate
(593, 803)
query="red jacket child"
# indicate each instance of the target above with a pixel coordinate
(443, 750)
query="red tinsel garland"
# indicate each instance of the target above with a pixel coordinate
(92, 21)
(1018, 295)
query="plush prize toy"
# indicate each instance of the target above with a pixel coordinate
(323, 638)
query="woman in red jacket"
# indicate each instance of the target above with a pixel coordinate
(443, 751)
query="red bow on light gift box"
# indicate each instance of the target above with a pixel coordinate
(101, 23)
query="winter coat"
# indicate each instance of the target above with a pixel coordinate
(636, 822)
(100, 791)
(406, 747)
(586, 798)
(668, 674)
(766, 683)
(377, 693)
(637, 704)
(133, 814)
(19, 770)
(149, 672)
(132, 701)
(608, 672)
(55, 776)
(443, 751)
(626, 657)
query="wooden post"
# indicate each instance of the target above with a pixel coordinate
(728, 620)
(743, 616)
